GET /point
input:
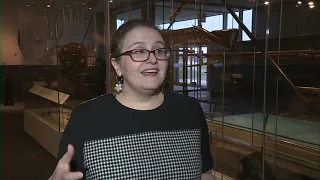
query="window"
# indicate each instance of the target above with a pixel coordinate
(163, 26)
(193, 68)
(232, 23)
(247, 20)
(213, 23)
(119, 23)
(124, 17)
(183, 24)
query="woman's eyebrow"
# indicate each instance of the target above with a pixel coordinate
(139, 43)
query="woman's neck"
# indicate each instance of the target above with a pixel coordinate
(140, 102)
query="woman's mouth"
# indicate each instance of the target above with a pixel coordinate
(150, 72)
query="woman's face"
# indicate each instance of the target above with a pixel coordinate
(144, 76)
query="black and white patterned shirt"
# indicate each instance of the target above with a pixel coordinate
(114, 142)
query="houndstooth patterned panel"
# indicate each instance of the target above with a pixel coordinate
(150, 155)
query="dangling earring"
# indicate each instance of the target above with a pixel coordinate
(118, 85)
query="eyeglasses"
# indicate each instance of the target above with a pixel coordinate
(140, 55)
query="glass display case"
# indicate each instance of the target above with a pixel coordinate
(254, 75)
(49, 106)
(62, 68)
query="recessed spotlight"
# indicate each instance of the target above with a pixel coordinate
(48, 5)
(299, 2)
(90, 8)
(267, 31)
(110, 0)
(310, 3)
(28, 5)
(311, 6)
(266, 3)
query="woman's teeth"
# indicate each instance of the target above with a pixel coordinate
(150, 72)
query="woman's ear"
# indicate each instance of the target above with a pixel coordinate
(116, 67)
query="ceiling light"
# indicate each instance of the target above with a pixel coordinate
(311, 6)
(266, 3)
(27, 5)
(48, 5)
(310, 3)
(299, 2)
(110, 0)
(90, 8)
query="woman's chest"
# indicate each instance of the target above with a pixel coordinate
(171, 154)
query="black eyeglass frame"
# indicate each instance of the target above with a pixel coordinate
(129, 53)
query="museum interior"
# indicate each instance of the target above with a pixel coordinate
(252, 64)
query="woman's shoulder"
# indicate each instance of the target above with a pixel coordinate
(184, 107)
(181, 99)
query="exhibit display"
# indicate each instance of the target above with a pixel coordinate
(60, 68)
(252, 65)
(249, 93)
(56, 113)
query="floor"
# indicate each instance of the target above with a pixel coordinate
(21, 156)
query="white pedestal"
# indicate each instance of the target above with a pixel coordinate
(41, 131)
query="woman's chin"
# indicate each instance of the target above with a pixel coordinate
(151, 88)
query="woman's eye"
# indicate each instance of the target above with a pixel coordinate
(160, 51)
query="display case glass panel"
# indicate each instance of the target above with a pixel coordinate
(60, 58)
(252, 66)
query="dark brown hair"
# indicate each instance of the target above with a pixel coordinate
(124, 29)
(118, 38)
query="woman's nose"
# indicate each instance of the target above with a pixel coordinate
(152, 58)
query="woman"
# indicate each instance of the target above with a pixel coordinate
(139, 132)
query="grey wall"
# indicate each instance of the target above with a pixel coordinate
(9, 52)
(37, 32)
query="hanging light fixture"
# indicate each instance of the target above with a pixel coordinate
(310, 3)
